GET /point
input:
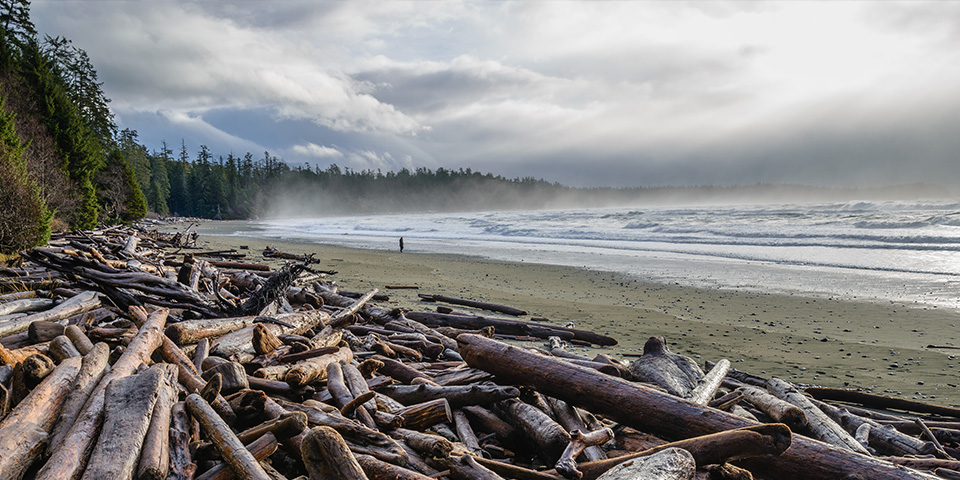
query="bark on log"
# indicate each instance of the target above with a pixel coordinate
(191, 331)
(400, 371)
(424, 443)
(181, 463)
(655, 412)
(327, 456)
(425, 415)
(79, 339)
(465, 467)
(550, 438)
(821, 425)
(490, 422)
(93, 368)
(243, 464)
(569, 419)
(24, 432)
(492, 307)
(69, 460)
(509, 327)
(669, 464)
(315, 369)
(61, 348)
(128, 407)
(25, 305)
(458, 396)
(376, 469)
(467, 436)
(777, 409)
(880, 402)
(155, 455)
(707, 387)
(259, 448)
(77, 304)
(884, 438)
(567, 464)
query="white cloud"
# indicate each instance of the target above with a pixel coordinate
(317, 151)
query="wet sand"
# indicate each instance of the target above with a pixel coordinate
(876, 347)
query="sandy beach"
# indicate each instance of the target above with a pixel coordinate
(877, 347)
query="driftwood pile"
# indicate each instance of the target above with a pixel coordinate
(126, 356)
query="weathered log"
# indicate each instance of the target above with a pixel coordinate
(181, 463)
(490, 422)
(424, 443)
(345, 316)
(550, 438)
(570, 420)
(357, 385)
(155, 455)
(361, 438)
(377, 469)
(465, 467)
(232, 375)
(400, 371)
(128, 407)
(191, 331)
(260, 449)
(821, 425)
(61, 348)
(669, 464)
(467, 436)
(427, 414)
(767, 440)
(508, 470)
(885, 438)
(44, 331)
(315, 369)
(777, 409)
(92, 370)
(77, 304)
(655, 412)
(326, 456)
(243, 464)
(872, 400)
(567, 464)
(677, 374)
(458, 396)
(707, 387)
(79, 339)
(264, 341)
(35, 368)
(508, 327)
(25, 305)
(492, 307)
(282, 427)
(241, 340)
(24, 432)
(69, 460)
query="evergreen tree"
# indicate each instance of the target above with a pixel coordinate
(118, 189)
(24, 217)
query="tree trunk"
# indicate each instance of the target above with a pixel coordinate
(155, 455)
(458, 396)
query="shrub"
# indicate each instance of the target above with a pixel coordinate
(24, 217)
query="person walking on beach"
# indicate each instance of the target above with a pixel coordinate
(401, 244)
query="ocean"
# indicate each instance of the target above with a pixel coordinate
(874, 251)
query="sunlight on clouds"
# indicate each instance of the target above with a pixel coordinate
(317, 151)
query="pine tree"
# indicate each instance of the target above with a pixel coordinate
(24, 217)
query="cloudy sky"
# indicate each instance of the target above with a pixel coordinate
(584, 93)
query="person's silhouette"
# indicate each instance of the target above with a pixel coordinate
(401, 244)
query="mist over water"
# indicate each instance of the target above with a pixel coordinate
(905, 251)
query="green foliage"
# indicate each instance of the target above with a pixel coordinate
(119, 192)
(24, 217)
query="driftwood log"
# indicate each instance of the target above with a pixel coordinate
(663, 414)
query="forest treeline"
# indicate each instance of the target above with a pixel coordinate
(64, 163)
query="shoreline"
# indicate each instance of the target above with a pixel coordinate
(876, 347)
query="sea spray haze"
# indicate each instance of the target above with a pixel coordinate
(901, 251)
